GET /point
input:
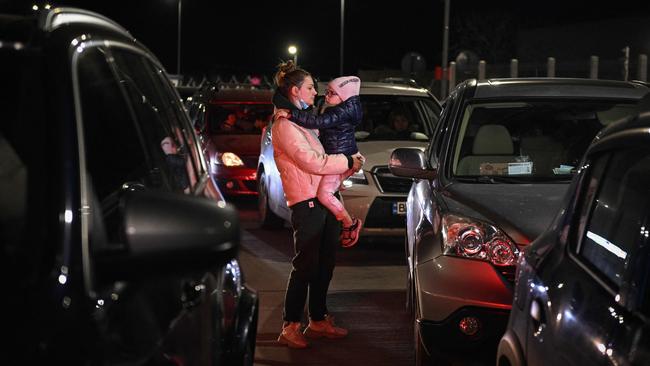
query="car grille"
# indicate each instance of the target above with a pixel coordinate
(380, 214)
(388, 183)
(250, 184)
(250, 161)
(508, 272)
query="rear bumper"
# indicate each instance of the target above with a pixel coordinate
(236, 181)
(376, 212)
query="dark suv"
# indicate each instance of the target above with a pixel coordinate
(230, 118)
(583, 288)
(116, 247)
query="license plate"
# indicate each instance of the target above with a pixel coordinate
(399, 208)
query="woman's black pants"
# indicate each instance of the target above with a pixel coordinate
(316, 237)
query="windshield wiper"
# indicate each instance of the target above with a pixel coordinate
(481, 179)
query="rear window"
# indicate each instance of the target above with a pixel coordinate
(391, 117)
(227, 118)
(530, 140)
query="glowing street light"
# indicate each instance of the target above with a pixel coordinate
(293, 50)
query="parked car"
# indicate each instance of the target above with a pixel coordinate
(229, 119)
(116, 247)
(393, 117)
(493, 177)
(582, 295)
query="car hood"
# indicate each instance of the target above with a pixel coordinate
(523, 211)
(378, 152)
(242, 145)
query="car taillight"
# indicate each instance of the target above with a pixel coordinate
(471, 238)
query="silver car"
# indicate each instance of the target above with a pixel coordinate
(493, 178)
(394, 116)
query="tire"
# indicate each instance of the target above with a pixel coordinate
(268, 219)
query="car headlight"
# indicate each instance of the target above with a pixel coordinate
(229, 159)
(471, 238)
(357, 177)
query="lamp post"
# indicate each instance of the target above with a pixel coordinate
(293, 50)
(342, 36)
(445, 48)
(178, 51)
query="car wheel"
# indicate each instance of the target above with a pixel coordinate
(268, 219)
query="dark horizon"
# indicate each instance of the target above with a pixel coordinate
(247, 37)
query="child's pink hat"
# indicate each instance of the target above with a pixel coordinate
(346, 86)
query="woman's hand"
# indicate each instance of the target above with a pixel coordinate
(357, 162)
(281, 113)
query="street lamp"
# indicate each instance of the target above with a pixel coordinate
(293, 50)
(178, 51)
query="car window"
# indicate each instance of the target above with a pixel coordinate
(389, 117)
(227, 118)
(157, 112)
(28, 148)
(438, 137)
(619, 211)
(115, 152)
(534, 140)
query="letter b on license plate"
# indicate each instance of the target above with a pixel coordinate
(399, 208)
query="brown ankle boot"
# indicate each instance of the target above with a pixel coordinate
(325, 328)
(292, 336)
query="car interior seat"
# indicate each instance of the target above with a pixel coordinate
(544, 151)
(492, 144)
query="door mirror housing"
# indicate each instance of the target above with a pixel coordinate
(166, 233)
(410, 163)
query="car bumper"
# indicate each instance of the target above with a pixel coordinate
(236, 181)
(447, 334)
(376, 210)
(450, 288)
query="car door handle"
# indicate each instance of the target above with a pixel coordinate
(133, 187)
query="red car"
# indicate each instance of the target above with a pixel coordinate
(229, 120)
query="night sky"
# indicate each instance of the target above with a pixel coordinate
(242, 37)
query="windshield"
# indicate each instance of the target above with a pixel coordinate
(229, 118)
(390, 117)
(533, 140)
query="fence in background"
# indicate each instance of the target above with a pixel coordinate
(592, 68)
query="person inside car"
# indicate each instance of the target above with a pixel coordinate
(337, 125)
(177, 165)
(230, 123)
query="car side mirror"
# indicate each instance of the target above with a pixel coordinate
(165, 233)
(410, 163)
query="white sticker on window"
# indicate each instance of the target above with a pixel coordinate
(520, 168)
